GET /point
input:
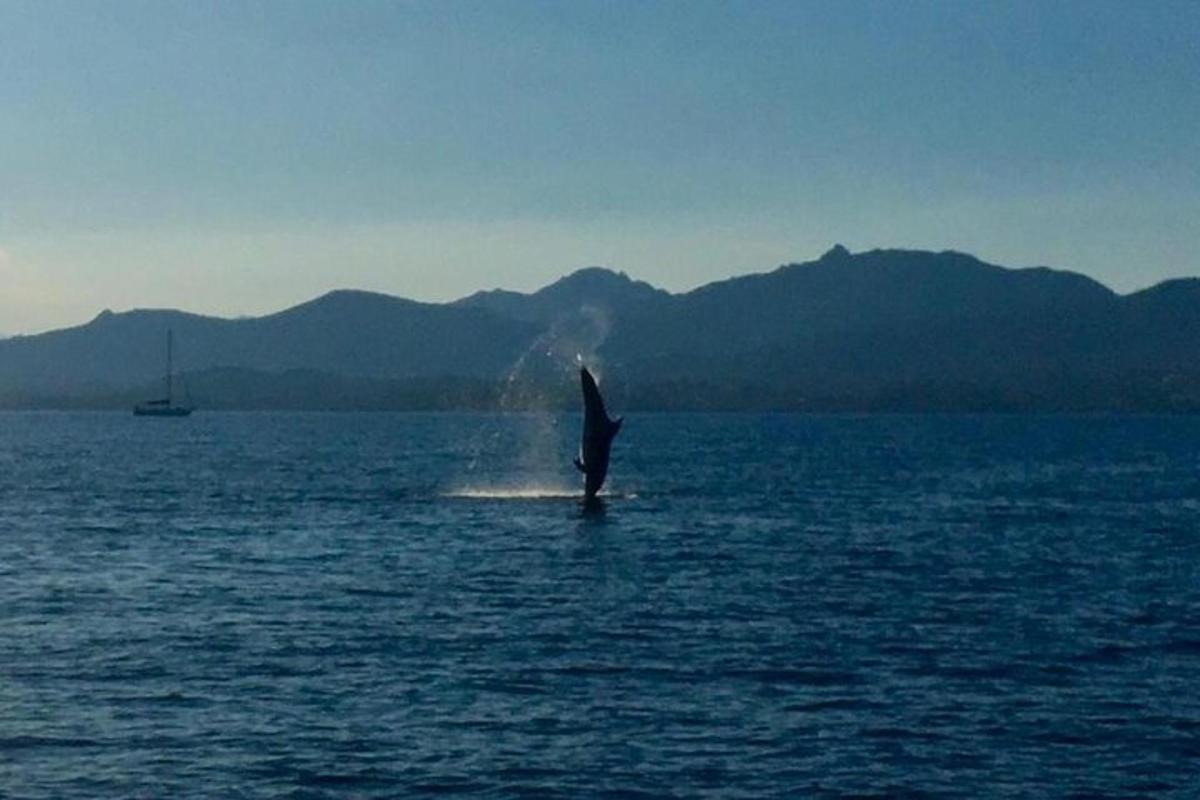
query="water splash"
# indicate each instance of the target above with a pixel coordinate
(515, 493)
(549, 363)
(545, 376)
(529, 493)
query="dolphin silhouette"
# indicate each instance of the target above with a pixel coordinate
(598, 433)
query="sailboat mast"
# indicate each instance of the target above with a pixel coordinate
(168, 366)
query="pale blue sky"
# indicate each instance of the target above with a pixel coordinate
(238, 157)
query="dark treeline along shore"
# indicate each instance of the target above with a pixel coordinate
(885, 330)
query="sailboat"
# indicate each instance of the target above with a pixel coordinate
(163, 407)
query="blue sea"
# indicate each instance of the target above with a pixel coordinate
(274, 605)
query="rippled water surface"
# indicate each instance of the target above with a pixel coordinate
(306, 605)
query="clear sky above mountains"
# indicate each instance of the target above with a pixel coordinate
(236, 158)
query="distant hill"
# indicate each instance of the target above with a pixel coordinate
(592, 286)
(887, 328)
(357, 334)
(879, 330)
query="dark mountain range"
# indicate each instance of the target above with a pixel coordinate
(593, 286)
(881, 330)
(357, 334)
(890, 328)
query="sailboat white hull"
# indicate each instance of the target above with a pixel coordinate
(161, 411)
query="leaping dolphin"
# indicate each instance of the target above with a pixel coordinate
(598, 433)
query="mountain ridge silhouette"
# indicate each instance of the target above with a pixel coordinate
(885, 329)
